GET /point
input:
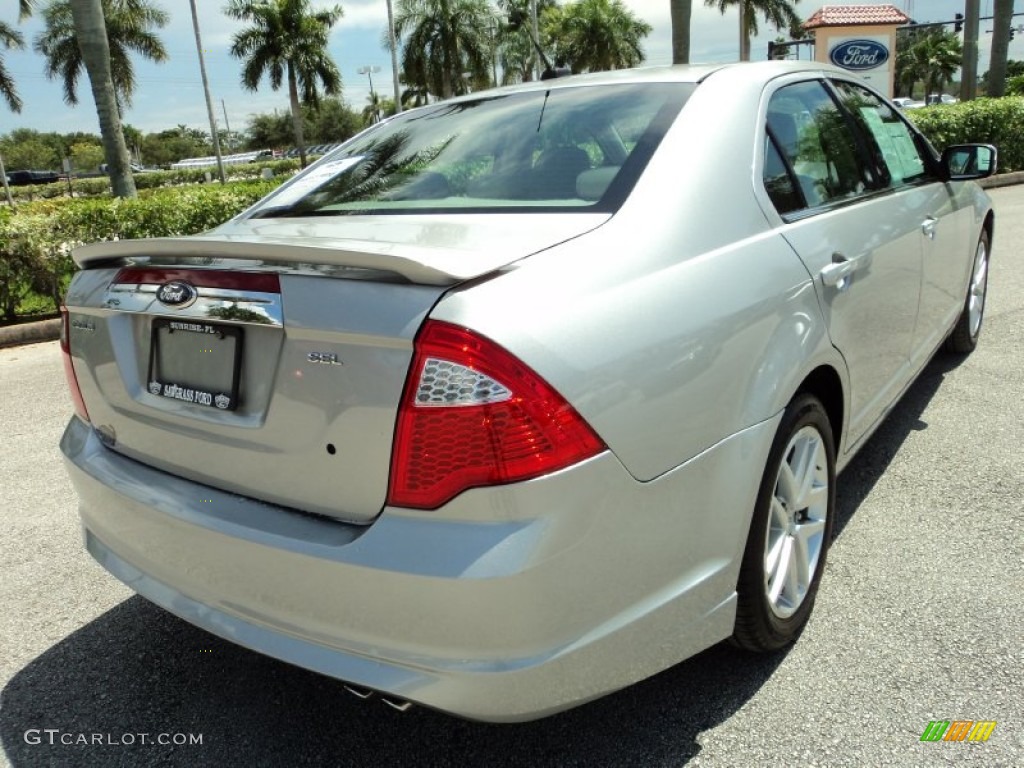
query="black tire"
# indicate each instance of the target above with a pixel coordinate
(764, 623)
(964, 337)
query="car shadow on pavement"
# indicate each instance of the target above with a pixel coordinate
(139, 670)
(871, 462)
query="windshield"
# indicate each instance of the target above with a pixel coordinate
(569, 148)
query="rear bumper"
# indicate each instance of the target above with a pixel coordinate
(509, 604)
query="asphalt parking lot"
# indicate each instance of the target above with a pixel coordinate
(920, 617)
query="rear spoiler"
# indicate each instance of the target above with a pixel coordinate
(400, 260)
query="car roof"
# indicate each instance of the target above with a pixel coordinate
(761, 71)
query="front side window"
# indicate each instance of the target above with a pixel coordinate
(817, 144)
(568, 148)
(891, 142)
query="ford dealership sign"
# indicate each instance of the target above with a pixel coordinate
(859, 55)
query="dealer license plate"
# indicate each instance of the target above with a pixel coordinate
(196, 362)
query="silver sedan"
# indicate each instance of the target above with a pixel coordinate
(516, 399)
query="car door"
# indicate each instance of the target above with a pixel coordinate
(913, 185)
(862, 250)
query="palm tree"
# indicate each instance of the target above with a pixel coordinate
(514, 38)
(516, 54)
(442, 40)
(91, 32)
(779, 13)
(374, 107)
(287, 42)
(9, 38)
(930, 57)
(595, 35)
(129, 25)
(413, 95)
(681, 10)
(936, 59)
(25, 8)
(905, 74)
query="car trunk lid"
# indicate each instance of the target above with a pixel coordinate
(267, 360)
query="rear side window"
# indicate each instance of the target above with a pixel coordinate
(778, 180)
(816, 144)
(566, 148)
(890, 140)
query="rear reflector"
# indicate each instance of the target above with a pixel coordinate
(473, 415)
(69, 368)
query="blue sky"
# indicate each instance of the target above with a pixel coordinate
(171, 93)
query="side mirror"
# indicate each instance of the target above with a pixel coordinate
(963, 162)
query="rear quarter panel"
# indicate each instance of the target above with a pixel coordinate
(682, 320)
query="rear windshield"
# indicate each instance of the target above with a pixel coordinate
(569, 148)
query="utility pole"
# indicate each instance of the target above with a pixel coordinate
(1002, 23)
(227, 125)
(368, 71)
(969, 70)
(206, 91)
(392, 44)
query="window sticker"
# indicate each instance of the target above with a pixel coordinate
(896, 144)
(313, 180)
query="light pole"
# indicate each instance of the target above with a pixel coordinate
(368, 71)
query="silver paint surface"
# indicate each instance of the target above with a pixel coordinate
(679, 328)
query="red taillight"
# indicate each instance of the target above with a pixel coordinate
(69, 369)
(473, 415)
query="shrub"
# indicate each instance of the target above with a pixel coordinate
(36, 240)
(100, 185)
(986, 121)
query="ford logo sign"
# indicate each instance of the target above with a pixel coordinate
(859, 55)
(176, 293)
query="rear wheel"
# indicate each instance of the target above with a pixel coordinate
(790, 530)
(964, 337)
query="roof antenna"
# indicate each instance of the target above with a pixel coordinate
(516, 18)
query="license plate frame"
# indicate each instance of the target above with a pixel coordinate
(166, 378)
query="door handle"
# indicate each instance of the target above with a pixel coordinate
(836, 274)
(928, 227)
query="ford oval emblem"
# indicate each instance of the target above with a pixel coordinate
(176, 293)
(859, 55)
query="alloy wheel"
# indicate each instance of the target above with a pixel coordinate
(796, 522)
(979, 284)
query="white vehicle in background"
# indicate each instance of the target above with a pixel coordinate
(211, 160)
(905, 103)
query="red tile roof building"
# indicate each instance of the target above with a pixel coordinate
(856, 16)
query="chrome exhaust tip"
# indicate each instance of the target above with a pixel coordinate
(366, 693)
(400, 704)
(362, 693)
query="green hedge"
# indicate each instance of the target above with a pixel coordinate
(36, 239)
(987, 121)
(100, 185)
